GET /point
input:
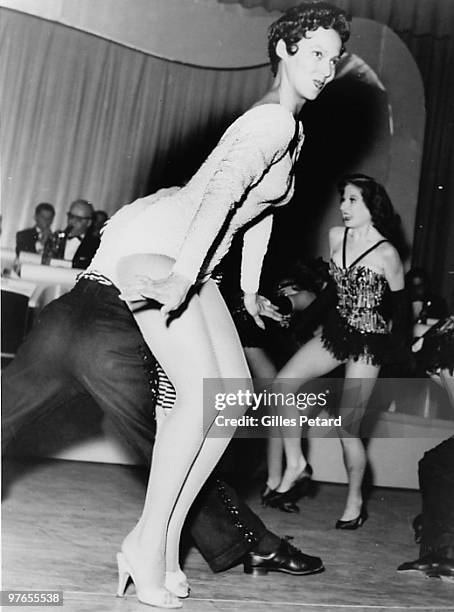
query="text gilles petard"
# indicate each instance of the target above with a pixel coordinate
(250, 400)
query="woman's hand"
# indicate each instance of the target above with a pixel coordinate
(170, 291)
(258, 306)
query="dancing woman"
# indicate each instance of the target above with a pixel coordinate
(364, 264)
(164, 248)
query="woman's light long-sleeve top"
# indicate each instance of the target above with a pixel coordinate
(248, 173)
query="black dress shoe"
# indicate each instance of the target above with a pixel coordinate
(444, 570)
(426, 563)
(286, 558)
(353, 523)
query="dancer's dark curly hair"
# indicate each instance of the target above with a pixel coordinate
(384, 217)
(293, 25)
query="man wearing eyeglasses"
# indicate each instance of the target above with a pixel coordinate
(79, 245)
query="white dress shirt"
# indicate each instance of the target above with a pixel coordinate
(71, 246)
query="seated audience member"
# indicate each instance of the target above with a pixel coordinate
(33, 239)
(424, 304)
(78, 244)
(434, 527)
(99, 219)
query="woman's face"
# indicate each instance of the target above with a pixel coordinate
(286, 289)
(313, 66)
(353, 209)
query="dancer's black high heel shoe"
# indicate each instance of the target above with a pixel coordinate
(286, 501)
(353, 523)
(265, 494)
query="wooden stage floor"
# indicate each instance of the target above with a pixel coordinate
(63, 521)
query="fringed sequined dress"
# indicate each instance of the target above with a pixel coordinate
(357, 327)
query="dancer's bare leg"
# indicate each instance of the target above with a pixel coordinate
(264, 371)
(184, 348)
(359, 382)
(261, 366)
(311, 361)
(274, 458)
(232, 365)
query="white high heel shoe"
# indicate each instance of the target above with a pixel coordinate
(177, 583)
(160, 598)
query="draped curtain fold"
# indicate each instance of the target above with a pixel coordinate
(433, 245)
(85, 117)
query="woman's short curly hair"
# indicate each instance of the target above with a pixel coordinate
(384, 217)
(293, 25)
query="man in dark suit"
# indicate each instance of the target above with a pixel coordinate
(434, 527)
(100, 217)
(33, 239)
(424, 303)
(86, 343)
(79, 245)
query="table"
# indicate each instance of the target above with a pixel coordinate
(50, 282)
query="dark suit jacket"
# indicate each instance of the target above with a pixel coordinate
(86, 251)
(26, 240)
(434, 307)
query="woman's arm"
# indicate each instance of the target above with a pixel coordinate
(248, 150)
(392, 267)
(400, 332)
(255, 244)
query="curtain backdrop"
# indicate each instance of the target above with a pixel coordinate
(427, 28)
(72, 127)
(108, 130)
(434, 17)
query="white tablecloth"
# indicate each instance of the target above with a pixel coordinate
(41, 283)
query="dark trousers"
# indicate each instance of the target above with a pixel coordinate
(87, 343)
(436, 481)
